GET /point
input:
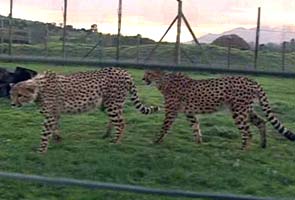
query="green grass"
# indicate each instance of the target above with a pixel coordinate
(217, 165)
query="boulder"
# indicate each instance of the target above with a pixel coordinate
(233, 40)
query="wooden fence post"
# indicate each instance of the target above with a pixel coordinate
(64, 29)
(177, 45)
(10, 28)
(229, 52)
(46, 35)
(119, 30)
(138, 42)
(283, 55)
(2, 36)
(257, 39)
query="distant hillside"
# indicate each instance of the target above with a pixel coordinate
(267, 35)
(39, 31)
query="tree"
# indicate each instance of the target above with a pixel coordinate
(292, 44)
(69, 27)
(93, 28)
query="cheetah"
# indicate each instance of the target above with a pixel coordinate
(76, 93)
(183, 94)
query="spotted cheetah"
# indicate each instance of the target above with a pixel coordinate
(76, 93)
(189, 96)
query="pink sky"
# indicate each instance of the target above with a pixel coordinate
(151, 18)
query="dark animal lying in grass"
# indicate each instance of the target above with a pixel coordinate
(7, 77)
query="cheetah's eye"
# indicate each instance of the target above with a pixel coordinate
(19, 95)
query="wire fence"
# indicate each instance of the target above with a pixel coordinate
(171, 67)
(124, 188)
(233, 49)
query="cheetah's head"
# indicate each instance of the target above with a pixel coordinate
(22, 93)
(152, 76)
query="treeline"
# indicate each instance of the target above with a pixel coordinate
(52, 32)
(288, 45)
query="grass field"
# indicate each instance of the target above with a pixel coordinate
(217, 165)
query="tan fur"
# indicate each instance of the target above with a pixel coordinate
(76, 93)
(189, 96)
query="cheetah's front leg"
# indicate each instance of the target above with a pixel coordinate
(171, 109)
(56, 134)
(49, 128)
(196, 127)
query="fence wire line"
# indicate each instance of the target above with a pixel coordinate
(171, 67)
(123, 188)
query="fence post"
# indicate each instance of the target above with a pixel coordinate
(46, 40)
(2, 36)
(283, 55)
(229, 52)
(177, 45)
(64, 28)
(100, 49)
(119, 30)
(159, 42)
(29, 35)
(257, 39)
(138, 47)
(10, 28)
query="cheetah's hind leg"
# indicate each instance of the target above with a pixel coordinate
(170, 116)
(115, 113)
(56, 136)
(109, 130)
(241, 118)
(260, 123)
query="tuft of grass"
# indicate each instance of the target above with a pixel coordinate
(218, 165)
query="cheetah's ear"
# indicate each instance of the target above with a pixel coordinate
(158, 72)
(31, 87)
(11, 84)
(153, 71)
(49, 73)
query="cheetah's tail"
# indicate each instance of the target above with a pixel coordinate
(271, 117)
(138, 104)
